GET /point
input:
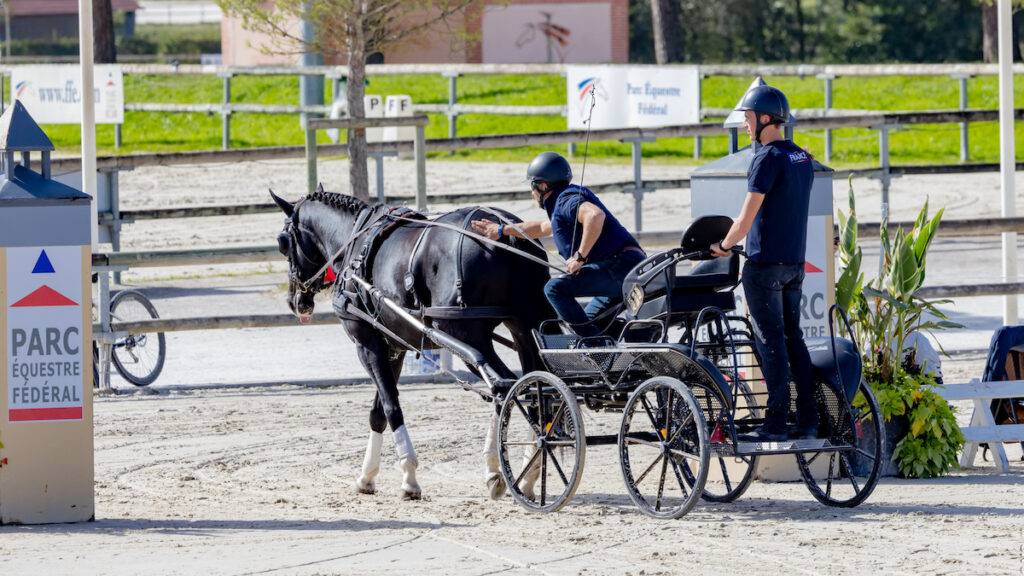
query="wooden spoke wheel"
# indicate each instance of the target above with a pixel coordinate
(541, 442)
(851, 472)
(663, 448)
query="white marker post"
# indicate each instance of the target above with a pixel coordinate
(1007, 157)
(88, 102)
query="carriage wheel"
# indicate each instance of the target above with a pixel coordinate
(730, 476)
(851, 474)
(663, 448)
(541, 442)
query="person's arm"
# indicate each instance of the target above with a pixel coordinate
(592, 219)
(532, 229)
(760, 181)
(741, 226)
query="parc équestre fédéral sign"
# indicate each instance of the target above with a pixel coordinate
(44, 324)
(632, 96)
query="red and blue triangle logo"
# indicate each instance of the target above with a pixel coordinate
(43, 265)
(44, 296)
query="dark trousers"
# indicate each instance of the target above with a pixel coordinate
(773, 293)
(602, 280)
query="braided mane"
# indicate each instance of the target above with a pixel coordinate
(350, 204)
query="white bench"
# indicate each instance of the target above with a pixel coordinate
(983, 428)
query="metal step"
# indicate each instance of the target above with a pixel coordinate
(744, 448)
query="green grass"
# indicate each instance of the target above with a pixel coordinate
(152, 132)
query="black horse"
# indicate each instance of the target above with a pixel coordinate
(446, 271)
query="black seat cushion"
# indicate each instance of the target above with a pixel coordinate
(712, 274)
(692, 301)
(847, 377)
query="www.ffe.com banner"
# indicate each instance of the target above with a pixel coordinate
(53, 93)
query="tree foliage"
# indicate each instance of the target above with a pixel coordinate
(833, 31)
(347, 31)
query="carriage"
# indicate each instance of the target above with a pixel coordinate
(685, 402)
(679, 365)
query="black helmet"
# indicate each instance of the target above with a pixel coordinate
(766, 100)
(549, 167)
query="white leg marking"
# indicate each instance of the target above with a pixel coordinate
(371, 464)
(407, 464)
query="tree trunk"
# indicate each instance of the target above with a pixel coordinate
(667, 31)
(801, 37)
(103, 45)
(990, 31)
(357, 176)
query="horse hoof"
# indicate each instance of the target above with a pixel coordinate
(496, 486)
(364, 487)
(411, 493)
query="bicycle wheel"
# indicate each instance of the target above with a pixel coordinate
(139, 358)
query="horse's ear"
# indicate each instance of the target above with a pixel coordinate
(320, 187)
(285, 205)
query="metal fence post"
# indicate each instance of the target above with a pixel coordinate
(115, 214)
(453, 117)
(965, 153)
(696, 139)
(638, 181)
(225, 115)
(883, 157)
(828, 106)
(106, 344)
(420, 151)
(3, 96)
(117, 136)
(310, 159)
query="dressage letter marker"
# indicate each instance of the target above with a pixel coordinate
(44, 334)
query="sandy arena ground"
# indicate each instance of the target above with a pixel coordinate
(200, 476)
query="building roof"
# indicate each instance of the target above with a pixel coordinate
(55, 7)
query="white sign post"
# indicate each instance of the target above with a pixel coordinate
(52, 93)
(398, 106)
(632, 96)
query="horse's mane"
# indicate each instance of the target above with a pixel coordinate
(349, 204)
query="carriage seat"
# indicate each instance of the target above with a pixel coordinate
(709, 284)
(847, 377)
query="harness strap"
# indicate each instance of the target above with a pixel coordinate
(458, 258)
(467, 312)
(410, 272)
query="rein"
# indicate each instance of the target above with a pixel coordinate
(305, 286)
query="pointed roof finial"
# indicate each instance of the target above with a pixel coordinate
(20, 132)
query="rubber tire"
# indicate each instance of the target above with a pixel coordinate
(139, 297)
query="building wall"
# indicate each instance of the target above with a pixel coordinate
(595, 31)
(43, 27)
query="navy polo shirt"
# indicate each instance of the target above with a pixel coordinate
(783, 172)
(561, 208)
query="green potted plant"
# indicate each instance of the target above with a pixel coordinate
(923, 436)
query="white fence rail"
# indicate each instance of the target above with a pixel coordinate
(982, 428)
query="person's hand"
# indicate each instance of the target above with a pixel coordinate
(486, 228)
(573, 265)
(716, 250)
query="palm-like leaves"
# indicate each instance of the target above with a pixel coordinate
(886, 310)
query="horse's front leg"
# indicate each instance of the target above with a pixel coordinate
(495, 483)
(371, 461)
(375, 354)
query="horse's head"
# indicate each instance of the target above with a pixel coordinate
(305, 259)
(313, 232)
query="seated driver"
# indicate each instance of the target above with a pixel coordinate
(598, 249)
